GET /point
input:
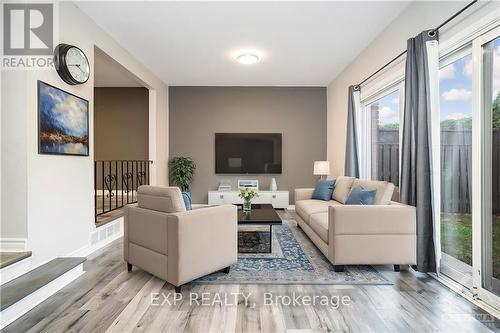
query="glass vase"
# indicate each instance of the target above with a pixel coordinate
(247, 205)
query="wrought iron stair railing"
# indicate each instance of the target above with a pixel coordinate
(116, 183)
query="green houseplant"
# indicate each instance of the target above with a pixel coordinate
(182, 172)
(247, 195)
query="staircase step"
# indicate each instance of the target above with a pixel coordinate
(17, 289)
(9, 258)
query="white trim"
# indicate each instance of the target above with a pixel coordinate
(15, 270)
(13, 244)
(471, 31)
(364, 119)
(384, 81)
(457, 54)
(19, 308)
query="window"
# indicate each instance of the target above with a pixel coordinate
(491, 224)
(382, 119)
(455, 99)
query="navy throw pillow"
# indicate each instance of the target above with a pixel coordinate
(324, 189)
(360, 196)
(186, 196)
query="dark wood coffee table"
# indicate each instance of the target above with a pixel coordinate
(261, 214)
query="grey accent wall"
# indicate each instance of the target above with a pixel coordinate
(121, 123)
(299, 113)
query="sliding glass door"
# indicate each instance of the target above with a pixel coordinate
(486, 219)
(469, 160)
(455, 90)
(491, 233)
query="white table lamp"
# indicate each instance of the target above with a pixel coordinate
(321, 168)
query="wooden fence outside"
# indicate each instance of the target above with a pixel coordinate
(456, 167)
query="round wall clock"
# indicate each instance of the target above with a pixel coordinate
(71, 64)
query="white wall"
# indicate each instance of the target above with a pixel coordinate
(418, 16)
(59, 200)
(13, 158)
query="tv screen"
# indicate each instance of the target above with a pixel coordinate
(248, 153)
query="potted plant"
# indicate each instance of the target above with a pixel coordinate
(181, 175)
(247, 195)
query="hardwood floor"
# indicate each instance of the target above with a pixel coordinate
(108, 298)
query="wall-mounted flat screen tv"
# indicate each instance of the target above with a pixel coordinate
(248, 153)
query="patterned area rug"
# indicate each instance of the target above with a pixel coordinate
(294, 260)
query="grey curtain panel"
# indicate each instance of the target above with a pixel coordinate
(416, 177)
(351, 151)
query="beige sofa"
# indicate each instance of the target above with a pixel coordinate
(176, 245)
(382, 233)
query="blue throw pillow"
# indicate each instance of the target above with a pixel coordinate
(360, 196)
(186, 196)
(324, 189)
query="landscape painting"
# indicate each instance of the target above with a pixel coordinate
(63, 122)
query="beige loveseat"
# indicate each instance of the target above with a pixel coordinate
(176, 245)
(382, 233)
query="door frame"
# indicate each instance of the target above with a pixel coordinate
(481, 171)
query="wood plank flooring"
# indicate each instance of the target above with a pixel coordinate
(9, 258)
(109, 299)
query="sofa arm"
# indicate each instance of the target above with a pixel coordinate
(371, 219)
(303, 193)
(201, 241)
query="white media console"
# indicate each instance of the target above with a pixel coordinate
(279, 199)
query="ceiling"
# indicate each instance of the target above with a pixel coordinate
(109, 73)
(195, 43)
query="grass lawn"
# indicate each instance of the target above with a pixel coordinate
(456, 239)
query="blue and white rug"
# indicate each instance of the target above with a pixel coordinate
(294, 260)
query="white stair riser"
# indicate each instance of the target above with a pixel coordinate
(19, 308)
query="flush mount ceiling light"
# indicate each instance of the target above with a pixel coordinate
(247, 58)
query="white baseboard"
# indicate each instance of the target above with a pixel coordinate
(15, 270)
(13, 244)
(16, 310)
(101, 237)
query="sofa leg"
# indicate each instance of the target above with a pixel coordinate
(338, 268)
(178, 289)
(397, 268)
(227, 269)
(129, 267)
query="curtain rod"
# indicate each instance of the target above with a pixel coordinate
(431, 33)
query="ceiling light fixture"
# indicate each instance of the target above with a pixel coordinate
(247, 59)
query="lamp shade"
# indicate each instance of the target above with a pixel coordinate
(321, 168)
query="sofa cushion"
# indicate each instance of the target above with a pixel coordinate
(324, 189)
(319, 223)
(304, 208)
(360, 196)
(186, 196)
(342, 189)
(384, 190)
(162, 199)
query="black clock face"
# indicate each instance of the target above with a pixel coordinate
(71, 63)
